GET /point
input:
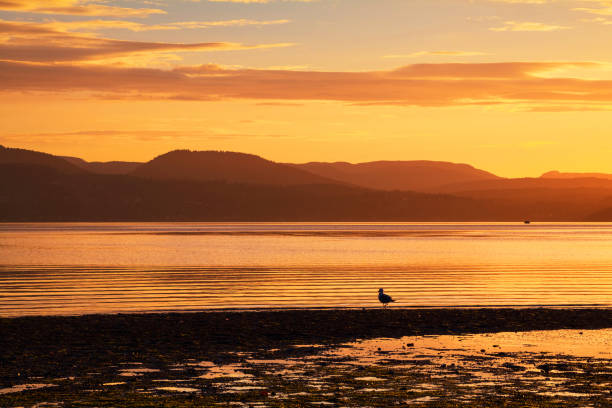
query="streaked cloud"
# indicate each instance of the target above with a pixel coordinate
(604, 11)
(240, 1)
(528, 26)
(412, 85)
(605, 6)
(261, 1)
(43, 43)
(94, 25)
(135, 135)
(481, 19)
(598, 20)
(523, 1)
(570, 107)
(437, 54)
(75, 7)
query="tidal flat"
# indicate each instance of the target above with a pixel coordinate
(309, 358)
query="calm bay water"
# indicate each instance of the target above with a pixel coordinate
(78, 268)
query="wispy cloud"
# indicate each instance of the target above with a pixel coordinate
(437, 54)
(75, 7)
(94, 25)
(481, 19)
(604, 11)
(528, 26)
(43, 43)
(139, 135)
(605, 6)
(417, 85)
(261, 1)
(598, 20)
(524, 1)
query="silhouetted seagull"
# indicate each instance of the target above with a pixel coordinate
(384, 298)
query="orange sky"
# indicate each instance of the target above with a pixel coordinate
(516, 87)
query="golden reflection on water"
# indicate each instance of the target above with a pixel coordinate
(105, 268)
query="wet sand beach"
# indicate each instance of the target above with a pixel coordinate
(286, 358)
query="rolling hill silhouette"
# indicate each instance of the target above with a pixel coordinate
(542, 198)
(29, 157)
(604, 215)
(421, 175)
(225, 166)
(559, 175)
(112, 167)
(39, 193)
(527, 183)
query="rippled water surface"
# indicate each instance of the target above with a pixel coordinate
(104, 268)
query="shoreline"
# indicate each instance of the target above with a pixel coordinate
(281, 309)
(171, 358)
(29, 343)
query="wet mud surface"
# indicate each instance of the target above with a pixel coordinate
(371, 358)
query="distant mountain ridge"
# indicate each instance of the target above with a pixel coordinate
(418, 175)
(233, 167)
(188, 185)
(560, 175)
(111, 167)
(224, 166)
(38, 194)
(539, 183)
(9, 155)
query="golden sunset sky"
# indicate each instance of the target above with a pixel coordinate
(516, 87)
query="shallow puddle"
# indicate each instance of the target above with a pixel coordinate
(229, 371)
(135, 372)
(177, 389)
(243, 388)
(24, 387)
